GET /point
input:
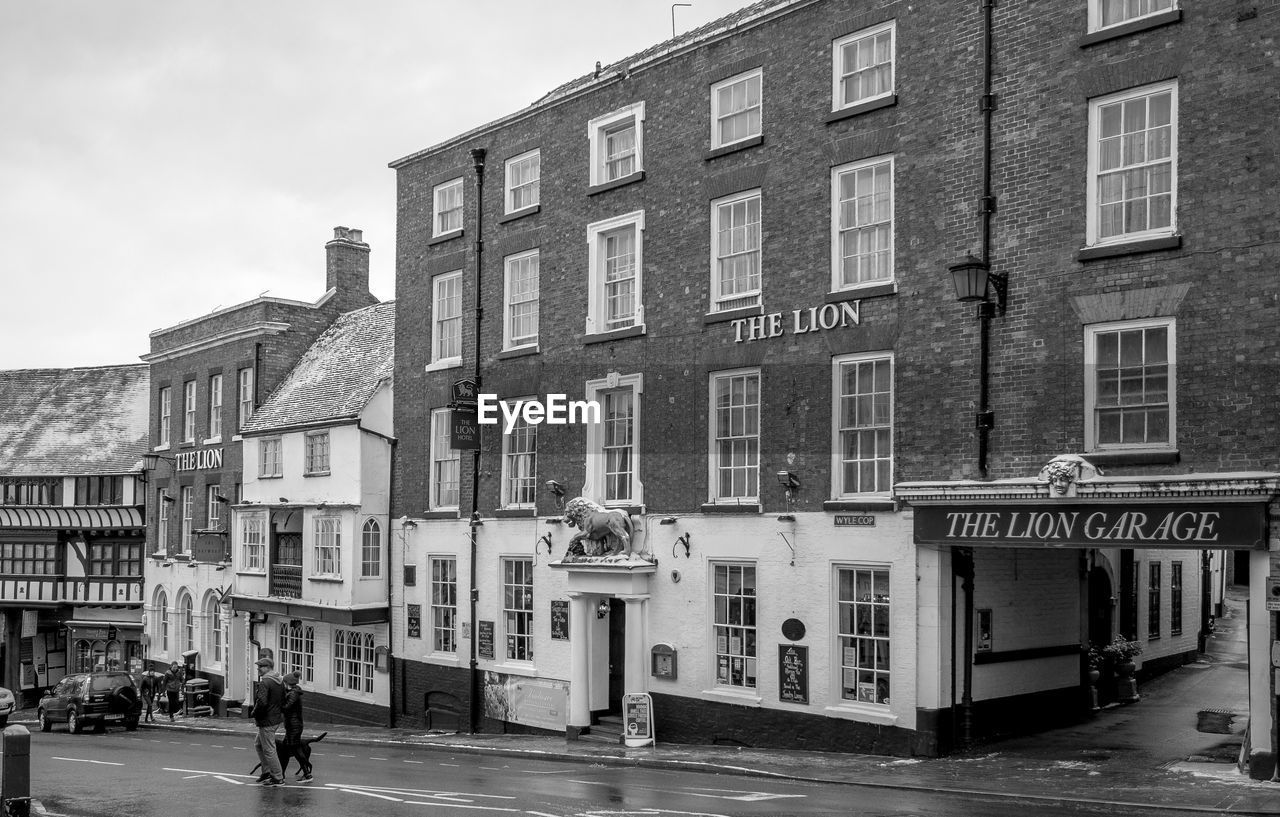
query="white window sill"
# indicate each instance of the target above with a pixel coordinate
(252, 571)
(448, 659)
(522, 668)
(213, 440)
(441, 365)
(327, 578)
(866, 713)
(742, 697)
(161, 447)
(376, 578)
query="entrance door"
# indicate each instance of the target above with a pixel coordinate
(1100, 615)
(617, 653)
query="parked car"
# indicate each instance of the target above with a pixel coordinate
(7, 705)
(91, 698)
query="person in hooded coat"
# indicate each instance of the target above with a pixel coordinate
(293, 725)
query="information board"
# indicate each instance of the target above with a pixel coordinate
(415, 621)
(559, 620)
(637, 719)
(793, 674)
(485, 644)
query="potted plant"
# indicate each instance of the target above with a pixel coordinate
(1093, 660)
(1120, 653)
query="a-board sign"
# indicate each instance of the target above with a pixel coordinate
(484, 647)
(559, 620)
(637, 719)
(793, 674)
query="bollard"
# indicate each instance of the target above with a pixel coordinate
(15, 771)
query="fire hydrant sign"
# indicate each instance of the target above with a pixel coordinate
(637, 719)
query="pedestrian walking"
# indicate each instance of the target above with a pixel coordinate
(268, 714)
(148, 689)
(173, 680)
(293, 725)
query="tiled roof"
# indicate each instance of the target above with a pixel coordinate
(339, 373)
(67, 422)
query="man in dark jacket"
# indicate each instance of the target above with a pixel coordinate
(173, 680)
(293, 726)
(268, 714)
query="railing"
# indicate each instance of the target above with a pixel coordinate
(286, 581)
(60, 589)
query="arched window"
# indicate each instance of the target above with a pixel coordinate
(188, 623)
(371, 549)
(162, 621)
(213, 629)
(83, 663)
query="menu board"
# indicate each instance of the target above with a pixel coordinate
(559, 620)
(415, 621)
(793, 674)
(485, 645)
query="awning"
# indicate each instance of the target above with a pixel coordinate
(71, 518)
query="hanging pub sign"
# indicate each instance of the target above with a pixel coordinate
(464, 428)
(1227, 525)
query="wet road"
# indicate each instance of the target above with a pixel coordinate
(140, 774)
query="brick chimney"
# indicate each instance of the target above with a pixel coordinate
(347, 264)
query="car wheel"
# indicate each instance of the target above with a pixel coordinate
(45, 724)
(4, 721)
(74, 725)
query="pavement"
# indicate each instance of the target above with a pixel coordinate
(1174, 751)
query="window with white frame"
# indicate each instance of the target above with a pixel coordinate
(328, 546)
(253, 541)
(615, 255)
(733, 601)
(165, 398)
(736, 108)
(444, 604)
(617, 144)
(862, 66)
(187, 505)
(353, 661)
(187, 613)
(735, 436)
(445, 462)
(189, 411)
(517, 608)
(521, 288)
(215, 406)
(297, 643)
(213, 507)
(163, 501)
(447, 200)
(520, 465)
(244, 397)
(1106, 13)
(162, 616)
(371, 549)
(862, 223)
(446, 318)
(317, 452)
(863, 412)
(214, 636)
(735, 251)
(524, 173)
(863, 637)
(269, 457)
(1130, 387)
(1133, 161)
(613, 444)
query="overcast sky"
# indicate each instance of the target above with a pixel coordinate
(162, 159)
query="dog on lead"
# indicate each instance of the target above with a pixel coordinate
(285, 753)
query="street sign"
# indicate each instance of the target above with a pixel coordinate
(637, 719)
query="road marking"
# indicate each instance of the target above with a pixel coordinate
(419, 762)
(82, 760)
(226, 779)
(742, 796)
(371, 794)
(377, 758)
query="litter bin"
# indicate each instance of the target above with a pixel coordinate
(196, 692)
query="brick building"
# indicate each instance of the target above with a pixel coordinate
(745, 246)
(208, 376)
(71, 523)
(311, 529)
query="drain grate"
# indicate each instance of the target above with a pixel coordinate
(1214, 721)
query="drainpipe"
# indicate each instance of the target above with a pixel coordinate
(473, 697)
(965, 569)
(986, 309)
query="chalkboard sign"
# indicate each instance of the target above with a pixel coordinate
(637, 718)
(415, 620)
(559, 620)
(485, 646)
(793, 674)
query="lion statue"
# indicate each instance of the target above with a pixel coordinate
(601, 532)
